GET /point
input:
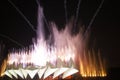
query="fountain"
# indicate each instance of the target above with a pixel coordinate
(66, 56)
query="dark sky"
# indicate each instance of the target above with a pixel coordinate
(105, 30)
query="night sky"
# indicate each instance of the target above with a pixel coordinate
(105, 30)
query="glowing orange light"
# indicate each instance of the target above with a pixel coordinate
(92, 66)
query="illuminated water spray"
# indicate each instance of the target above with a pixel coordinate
(67, 55)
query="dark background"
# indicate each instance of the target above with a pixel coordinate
(105, 31)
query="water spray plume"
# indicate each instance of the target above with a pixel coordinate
(92, 65)
(3, 67)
